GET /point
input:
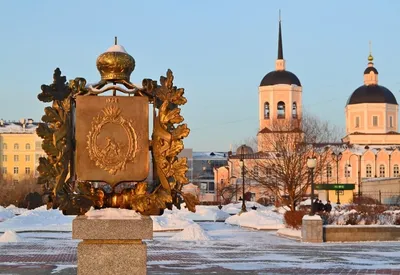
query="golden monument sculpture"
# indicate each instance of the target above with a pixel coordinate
(91, 138)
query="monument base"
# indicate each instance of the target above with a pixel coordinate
(112, 246)
(311, 229)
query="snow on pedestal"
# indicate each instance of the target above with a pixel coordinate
(193, 232)
(112, 214)
(10, 237)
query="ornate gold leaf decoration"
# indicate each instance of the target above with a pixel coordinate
(76, 197)
(114, 156)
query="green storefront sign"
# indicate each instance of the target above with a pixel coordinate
(339, 186)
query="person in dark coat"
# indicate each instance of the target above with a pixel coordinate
(320, 206)
(328, 207)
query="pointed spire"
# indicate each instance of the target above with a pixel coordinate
(115, 40)
(370, 57)
(280, 48)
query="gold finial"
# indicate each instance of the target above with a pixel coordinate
(279, 15)
(115, 40)
(370, 57)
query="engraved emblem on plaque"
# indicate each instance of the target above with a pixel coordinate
(112, 155)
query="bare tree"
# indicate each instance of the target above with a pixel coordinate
(281, 165)
(12, 192)
(227, 192)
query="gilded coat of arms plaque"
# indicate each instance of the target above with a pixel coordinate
(112, 138)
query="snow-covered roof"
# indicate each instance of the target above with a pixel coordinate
(210, 155)
(117, 48)
(359, 149)
(17, 127)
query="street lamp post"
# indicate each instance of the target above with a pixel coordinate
(337, 158)
(311, 163)
(242, 164)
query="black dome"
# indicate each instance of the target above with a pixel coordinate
(372, 94)
(370, 69)
(280, 77)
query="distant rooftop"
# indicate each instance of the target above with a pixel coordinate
(23, 126)
(210, 155)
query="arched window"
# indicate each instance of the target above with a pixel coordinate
(27, 146)
(382, 171)
(368, 171)
(16, 146)
(294, 110)
(396, 171)
(329, 171)
(5, 146)
(281, 109)
(266, 110)
(346, 171)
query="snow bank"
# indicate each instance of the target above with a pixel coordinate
(16, 210)
(5, 214)
(193, 232)
(39, 219)
(10, 237)
(203, 213)
(170, 221)
(112, 214)
(264, 219)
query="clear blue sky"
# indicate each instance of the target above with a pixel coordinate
(218, 50)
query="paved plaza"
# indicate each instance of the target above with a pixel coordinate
(233, 250)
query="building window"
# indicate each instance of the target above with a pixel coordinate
(27, 170)
(27, 146)
(27, 158)
(266, 110)
(382, 171)
(4, 170)
(375, 121)
(329, 171)
(5, 146)
(357, 122)
(38, 145)
(281, 109)
(16, 146)
(256, 171)
(396, 171)
(4, 158)
(294, 110)
(368, 171)
(391, 122)
(16, 170)
(347, 171)
(16, 158)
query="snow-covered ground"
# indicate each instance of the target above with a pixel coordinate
(226, 249)
(39, 219)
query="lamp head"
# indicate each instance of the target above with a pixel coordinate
(311, 162)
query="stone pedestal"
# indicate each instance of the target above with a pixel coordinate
(112, 246)
(311, 229)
